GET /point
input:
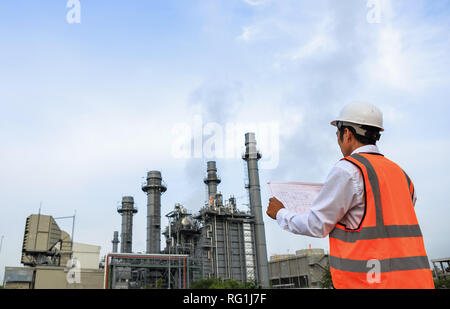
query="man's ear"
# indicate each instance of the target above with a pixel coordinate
(349, 135)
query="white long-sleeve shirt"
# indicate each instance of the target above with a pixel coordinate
(341, 199)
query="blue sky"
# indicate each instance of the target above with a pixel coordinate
(87, 109)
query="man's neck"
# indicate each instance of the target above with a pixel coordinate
(367, 148)
(356, 146)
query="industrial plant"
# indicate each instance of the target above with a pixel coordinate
(220, 241)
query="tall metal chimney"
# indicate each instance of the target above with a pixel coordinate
(211, 179)
(154, 188)
(251, 156)
(127, 211)
(115, 241)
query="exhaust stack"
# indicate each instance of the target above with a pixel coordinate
(127, 211)
(211, 179)
(115, 241)
(154, 188)
(251, 156)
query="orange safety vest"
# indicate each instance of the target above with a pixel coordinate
(386, 250)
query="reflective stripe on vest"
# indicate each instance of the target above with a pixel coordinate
(380, 240)
(374, 232)
(410, 185)
(387, 265)
(374, 183)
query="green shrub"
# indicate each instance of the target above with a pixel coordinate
(442, 283)
(326, 282)
(219, 283)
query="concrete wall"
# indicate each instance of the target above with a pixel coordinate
(18, 277)
(278, 257)
(50, 278)
(17, 285)
(305, 269)
(90, 279)
(56, 278)
(53, 277)
(87, 255)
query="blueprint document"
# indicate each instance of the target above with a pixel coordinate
(295, 196)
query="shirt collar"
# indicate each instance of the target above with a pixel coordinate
(367, 148)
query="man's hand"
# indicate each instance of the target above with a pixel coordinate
(273, 208)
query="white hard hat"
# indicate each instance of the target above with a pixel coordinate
(361, 113)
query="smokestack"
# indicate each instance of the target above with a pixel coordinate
(154, 188)
(127, 211)
(115, 241)
(251, 156)
(211, 179)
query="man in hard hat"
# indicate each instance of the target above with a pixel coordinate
(366, 207)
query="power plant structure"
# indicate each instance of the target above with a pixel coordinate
(251, 156)
(220, 241)
(154, 188)
(115, 241)
(51, 260)
(211, 179)
(127, 210)
(44, 243)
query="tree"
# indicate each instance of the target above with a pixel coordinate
(326, 282)
(219, 283)
(442, 283)
(159, 283)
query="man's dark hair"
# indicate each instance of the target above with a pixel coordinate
(370, 138)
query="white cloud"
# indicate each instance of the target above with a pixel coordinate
(392, 64)
(406, 53)
(319, 44)
(248, 33)
(256, 2)
(262, 30)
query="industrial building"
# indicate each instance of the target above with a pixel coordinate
(305, 269)
(441, 268)
(140, 271)
(219, 241)
(53, 261)
(44, 243)
(220, 238)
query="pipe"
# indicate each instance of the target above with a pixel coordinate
(217, 253)
(228, 248)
